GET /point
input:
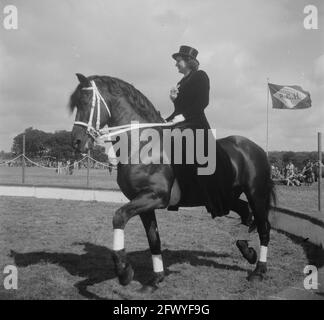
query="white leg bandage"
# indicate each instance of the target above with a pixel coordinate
(263, 254)
(157, 263)
(119, 240)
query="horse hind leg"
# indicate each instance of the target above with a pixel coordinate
(260, 210)
(242, 208)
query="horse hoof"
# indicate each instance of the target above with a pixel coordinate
(126, 276)
(152, 284)
(248, 253)
(259, 272)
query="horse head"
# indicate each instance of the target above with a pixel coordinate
(91, 102)
(103, 100)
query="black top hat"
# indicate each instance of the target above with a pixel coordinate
(187, 52)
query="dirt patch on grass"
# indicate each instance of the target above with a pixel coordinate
(62, 251)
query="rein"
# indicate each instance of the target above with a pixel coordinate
(96, 132)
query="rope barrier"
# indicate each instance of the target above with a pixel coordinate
(103, 164)
(63, 167)
(72, 165)
(6, 162)
(38, 165)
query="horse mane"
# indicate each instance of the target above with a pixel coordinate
(117, 87)
(74, 99)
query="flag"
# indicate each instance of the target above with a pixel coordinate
(289, 97)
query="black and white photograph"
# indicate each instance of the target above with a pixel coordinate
(162, 151)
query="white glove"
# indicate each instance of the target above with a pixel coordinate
(178, 118)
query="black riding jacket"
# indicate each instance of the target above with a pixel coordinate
(193, 98)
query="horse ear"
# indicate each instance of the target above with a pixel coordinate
(83, 80)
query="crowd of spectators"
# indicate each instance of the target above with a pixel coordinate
(290, 175)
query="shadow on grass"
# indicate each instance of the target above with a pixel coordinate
(96, 264)
(313, 253)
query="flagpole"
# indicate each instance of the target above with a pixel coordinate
(267, 143)
(319, 142)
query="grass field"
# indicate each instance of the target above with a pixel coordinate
(62, 251)
(302, 198)
(98, 178)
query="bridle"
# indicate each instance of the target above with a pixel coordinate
(96, 100)
(97, 132)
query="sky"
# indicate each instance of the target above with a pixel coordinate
(241, 44)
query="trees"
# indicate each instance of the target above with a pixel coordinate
(5, 155)
(35, 143)
(40, 144)
(288, 156)
(57, 145)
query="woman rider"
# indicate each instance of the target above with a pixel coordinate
(190, 98)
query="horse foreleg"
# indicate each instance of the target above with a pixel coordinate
(141, 204)
(151, 229)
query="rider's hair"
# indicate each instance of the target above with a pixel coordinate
(192, 64)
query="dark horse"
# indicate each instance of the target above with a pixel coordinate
(103, 100)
